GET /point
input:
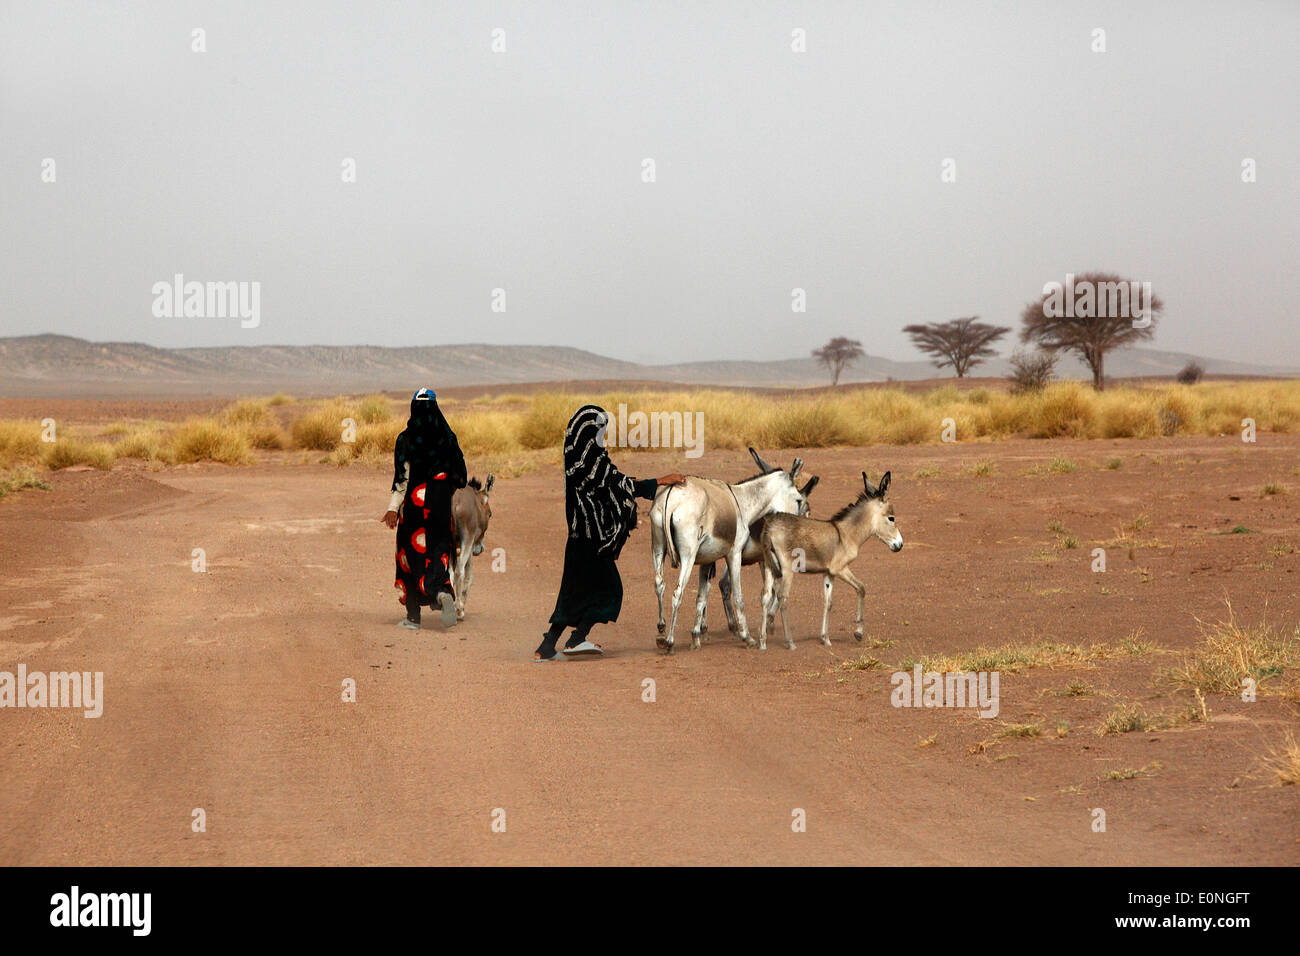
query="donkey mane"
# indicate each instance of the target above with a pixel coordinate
(475, 484)
(844, 512)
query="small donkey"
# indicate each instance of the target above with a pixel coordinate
(470, 514)
(797, 545)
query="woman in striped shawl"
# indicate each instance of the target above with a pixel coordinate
(600, 505)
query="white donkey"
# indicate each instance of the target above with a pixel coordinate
(752, 554)
(470, 514)
(706, 520)
(795, 545)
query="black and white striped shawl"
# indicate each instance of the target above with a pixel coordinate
(599, 499)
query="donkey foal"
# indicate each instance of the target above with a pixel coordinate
(797, 545)
(470, 514)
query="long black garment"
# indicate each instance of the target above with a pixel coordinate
(601, 510)
(429, 458)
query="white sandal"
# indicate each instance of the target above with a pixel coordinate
(585, 649)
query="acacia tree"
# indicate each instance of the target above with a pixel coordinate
(1090, 315)
(961, 343)
(837, 354)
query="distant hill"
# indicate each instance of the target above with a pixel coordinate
(60, 365)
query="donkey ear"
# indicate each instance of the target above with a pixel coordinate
(487, 488)
(763, 466)
(884, 486)
(794, 469)
(866, 486)
(806, 490)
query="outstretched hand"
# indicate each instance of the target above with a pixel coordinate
(672, 479)
(390, 519)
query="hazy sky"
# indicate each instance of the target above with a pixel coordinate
(523, 169)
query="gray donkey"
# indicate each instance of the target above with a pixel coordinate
(797, 545)
(706, 520)
(470, 514)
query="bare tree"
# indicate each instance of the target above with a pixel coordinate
(961, 343)
(1031, 372)
(837, 354)
(1096, 312)
(1190, 373)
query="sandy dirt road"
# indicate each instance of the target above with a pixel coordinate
(223, 688)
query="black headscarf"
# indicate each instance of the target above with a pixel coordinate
(428, 444)
(598, 498)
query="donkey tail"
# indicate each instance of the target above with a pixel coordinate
(774, 562)
(670, 542)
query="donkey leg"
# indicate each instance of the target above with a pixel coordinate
(768, 602)
(453, 576)
(466, 580)
(701, 601)
(657, 557)
(688, 564)
(702, 605)
(724, 587)
(738, 598)
(828, 584)
(847, 575)
(783, 601)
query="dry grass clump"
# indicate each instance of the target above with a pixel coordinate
(377, 439)
(373, 409)
(247, 411)
(487, 432)
(1130, 718)
(145, 443)
(20, 478)
(543, 424)
(1230, 652)
(70, 450)
(1284, 764)
(1131, 773)
(258, 423)
(20, 442)
(206, 439)
(1010, 658)
(1067, 410)
(321, 429)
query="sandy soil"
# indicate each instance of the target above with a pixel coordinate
(223, 688)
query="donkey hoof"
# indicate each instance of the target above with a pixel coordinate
(857, 635)
(695, 644)
(789, 645)
(478, 549)
(460, 614)
(826, 641)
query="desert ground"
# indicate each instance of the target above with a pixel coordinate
(223, 688)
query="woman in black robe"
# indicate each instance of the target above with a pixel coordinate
(600, 505)
(428, 467)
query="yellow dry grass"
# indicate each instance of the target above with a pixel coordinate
(509, 428)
